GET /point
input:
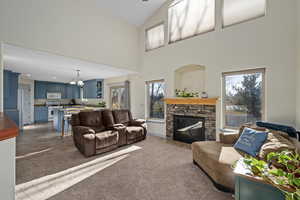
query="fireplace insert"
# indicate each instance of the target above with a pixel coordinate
(189, 129)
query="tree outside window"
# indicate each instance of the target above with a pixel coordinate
(156, 94)
(117, 95)
(243, 97)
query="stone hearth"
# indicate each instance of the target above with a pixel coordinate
(195, 110)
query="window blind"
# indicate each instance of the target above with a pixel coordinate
(237, 11)
(189, 18)
(155, 37)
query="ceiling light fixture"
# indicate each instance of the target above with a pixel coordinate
(77, 80)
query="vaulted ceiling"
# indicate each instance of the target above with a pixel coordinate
(135, 12)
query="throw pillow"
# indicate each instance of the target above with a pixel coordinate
(252, 126)
(251, 141)
(275, 142)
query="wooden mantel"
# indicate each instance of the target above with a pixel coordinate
(8, 129)
(192, 101)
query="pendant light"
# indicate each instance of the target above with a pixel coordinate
(77, 81)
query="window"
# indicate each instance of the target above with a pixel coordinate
(155, 100)
(243, 97)
(155, 37)
(189, 18)
(118, 97)
(237, 11)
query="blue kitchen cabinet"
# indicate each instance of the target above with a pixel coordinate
(40, 114)
(54, 87)
(93, 89)
(63, 90)
(72, 92)
(40, 89)
(43, 87)
(10, 91)
(58, 88)
(10, 95)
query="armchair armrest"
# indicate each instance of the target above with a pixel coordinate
(118, 125)
(122, 133)
(137, 122)
(82, 130)
(229, 138)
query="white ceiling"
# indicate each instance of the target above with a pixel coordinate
(135, 12)
(37, 65)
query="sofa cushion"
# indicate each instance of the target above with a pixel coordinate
(108, 118)
(275, 142)
(216, 160)
(251, 141)
(134, 132)
(122, 117)
(93, 120)
(106, 139)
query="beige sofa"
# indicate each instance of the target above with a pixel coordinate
(216, 159)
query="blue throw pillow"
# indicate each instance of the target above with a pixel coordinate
(251, 141)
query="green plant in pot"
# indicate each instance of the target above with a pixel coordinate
(102, 104)
(282, 170)
(185, 93)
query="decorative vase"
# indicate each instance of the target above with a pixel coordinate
(204, 95)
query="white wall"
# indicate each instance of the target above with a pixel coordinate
(7, 169)
(79, 29)
(265, 42)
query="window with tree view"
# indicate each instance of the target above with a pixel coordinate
(156, 93)
(117, 95)
(243, 97)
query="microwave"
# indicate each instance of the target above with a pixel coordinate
(53, 95)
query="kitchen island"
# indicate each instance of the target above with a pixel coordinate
(62, 117)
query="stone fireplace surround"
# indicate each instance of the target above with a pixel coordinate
(192, 108)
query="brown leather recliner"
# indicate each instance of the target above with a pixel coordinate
(91, 135)
(101, 131)
(134, 129)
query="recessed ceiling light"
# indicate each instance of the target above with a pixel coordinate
(28, 75)
(54, 77)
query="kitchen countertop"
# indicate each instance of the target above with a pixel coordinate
(8, 129)
(69, 105)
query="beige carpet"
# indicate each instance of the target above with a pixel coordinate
(160, 170)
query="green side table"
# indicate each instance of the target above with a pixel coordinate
(253, 188)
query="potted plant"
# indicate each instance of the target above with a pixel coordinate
(282, 170)
(102, 104)
(185, 93)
